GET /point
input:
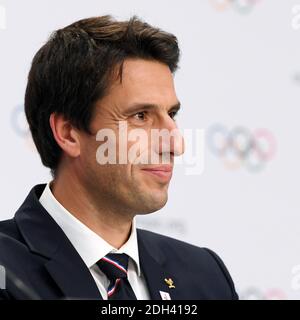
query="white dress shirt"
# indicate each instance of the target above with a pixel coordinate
(91, 247)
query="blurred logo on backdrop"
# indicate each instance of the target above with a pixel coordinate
(241, 148)
(296, 17)
(20, 126)
(253, 293)
(240, 6)
(296, 77)
(2, 17)
(295, 283)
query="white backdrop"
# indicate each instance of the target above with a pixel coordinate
(240, 70)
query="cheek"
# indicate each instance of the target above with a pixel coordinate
(138, 148)
(89, 152)
(88, 149)
(118, 178)
(123, 175)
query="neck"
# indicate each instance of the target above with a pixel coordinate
(110, 223)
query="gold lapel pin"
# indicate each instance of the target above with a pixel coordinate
(170, 283)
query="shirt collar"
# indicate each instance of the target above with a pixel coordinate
(90, 246)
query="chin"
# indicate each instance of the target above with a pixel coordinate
(154, 205)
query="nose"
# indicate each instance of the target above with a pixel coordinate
(170, 140)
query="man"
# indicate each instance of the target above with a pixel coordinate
(76, 236)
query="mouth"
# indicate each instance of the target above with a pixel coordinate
(162, 173)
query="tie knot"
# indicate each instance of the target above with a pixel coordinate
(114, 265)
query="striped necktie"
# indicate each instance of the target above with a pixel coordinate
(114, 266)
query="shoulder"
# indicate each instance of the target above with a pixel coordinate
(174, 246)
(12, 244)
(204, 261)
(9, 232)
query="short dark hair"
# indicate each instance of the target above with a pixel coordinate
(73, 70)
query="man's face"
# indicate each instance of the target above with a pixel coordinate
(145, 99)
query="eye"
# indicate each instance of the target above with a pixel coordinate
(173, 114)
(140, 115)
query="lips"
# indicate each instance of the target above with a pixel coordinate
(164, 168)
(161, 172)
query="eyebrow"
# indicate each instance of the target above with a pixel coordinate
(150, 106)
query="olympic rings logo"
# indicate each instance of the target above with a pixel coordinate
(240, 147)
(241, 6)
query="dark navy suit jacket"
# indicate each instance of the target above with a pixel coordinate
(41, 263)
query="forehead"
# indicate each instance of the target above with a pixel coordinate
(144, 81)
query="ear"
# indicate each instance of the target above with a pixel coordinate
(66, 136)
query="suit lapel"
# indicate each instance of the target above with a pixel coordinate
(154, 268)
(71, 274)
(44, 237)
